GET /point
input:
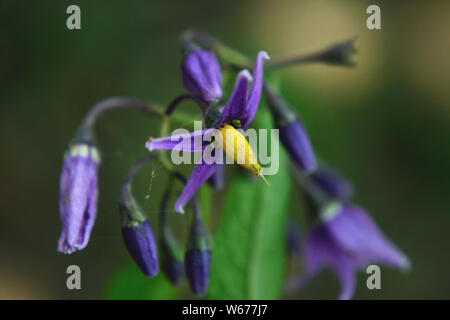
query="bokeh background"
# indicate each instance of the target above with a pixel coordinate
(385, 123)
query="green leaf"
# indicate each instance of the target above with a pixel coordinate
(130, 284)
(249, 254)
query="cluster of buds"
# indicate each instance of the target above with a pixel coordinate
(343, 237)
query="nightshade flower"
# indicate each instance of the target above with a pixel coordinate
(346, 240)
(202, 75)
(238, 112)
(78, 194)
(293, 134)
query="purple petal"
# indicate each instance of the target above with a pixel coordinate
(236, 105)
(255, 89)
(202, 75)
(191, 141)
(357, 233)
(346, 271)
(199, 175)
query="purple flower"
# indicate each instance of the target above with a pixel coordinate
(296, 141)
(78, 193)
(240, 108)
(332, 182)
(202, 75)
(197, 264)
(141, 245)
(346, 240)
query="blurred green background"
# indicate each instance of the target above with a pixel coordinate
(385, 123)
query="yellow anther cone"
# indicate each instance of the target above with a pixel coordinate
(237, 148)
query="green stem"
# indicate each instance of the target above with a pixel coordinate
(86, 128)
(225, 53)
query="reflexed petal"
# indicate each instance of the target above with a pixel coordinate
(255, 89)
(199, 175)
(191, 141)
(346, 271)
(236, 105)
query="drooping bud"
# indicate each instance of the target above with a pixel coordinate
(198, 256)
(79, 177)
(140, 243)
(172, 255)
(293, 134)
(78, 195)
(136, 230)
(202, 75)
(332, 182)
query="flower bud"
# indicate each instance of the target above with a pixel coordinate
(78, 195)
(202, 75)
(140, 243)
(198, 258)
(293, 134)
(296, 141)
(198, 263)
